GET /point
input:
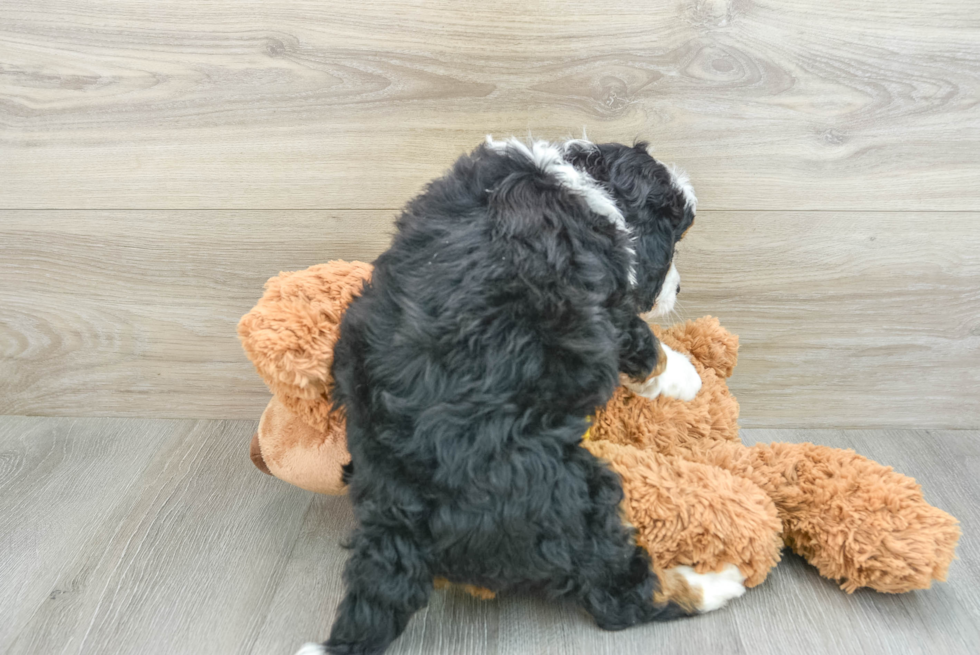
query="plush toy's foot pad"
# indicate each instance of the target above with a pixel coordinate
(702, 592)
(312, 649)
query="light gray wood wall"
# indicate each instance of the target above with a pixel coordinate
(159, 161)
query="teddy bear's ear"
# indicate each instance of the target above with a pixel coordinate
(290, 333)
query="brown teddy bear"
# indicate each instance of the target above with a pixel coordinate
(696, 495)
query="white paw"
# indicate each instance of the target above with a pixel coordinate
(716, 588)
(311, 649)
(679, 380)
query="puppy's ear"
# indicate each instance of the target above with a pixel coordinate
(540, 228)
(687, 200)
(647, 188)
(654, 252)
(587, 157)
(681, 217)
(530, 213)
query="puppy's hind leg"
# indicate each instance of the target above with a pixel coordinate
(387, 581)
(628, 595)
(614, 579)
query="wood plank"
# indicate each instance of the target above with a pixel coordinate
(300, 104)
(187, 565)
(134, 313)
(795, 610)
(845, 320)
(158, 536)
(64, 482)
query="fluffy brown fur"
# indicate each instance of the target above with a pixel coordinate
(289, 335)
(695, 494)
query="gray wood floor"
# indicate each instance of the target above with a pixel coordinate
(158, 536)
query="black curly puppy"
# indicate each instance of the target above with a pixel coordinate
(501, 316)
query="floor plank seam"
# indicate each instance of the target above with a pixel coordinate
(279, 576)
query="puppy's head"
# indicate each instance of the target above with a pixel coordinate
(658, 204)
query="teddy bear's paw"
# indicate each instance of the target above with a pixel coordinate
(712, 590)
(679, 380)
(312, 649)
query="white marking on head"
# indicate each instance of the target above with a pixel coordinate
(312, 649)
(667, 297)
(550, 159)
(682, 182)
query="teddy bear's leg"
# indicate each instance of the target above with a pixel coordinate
(694, 518)
(857, 521)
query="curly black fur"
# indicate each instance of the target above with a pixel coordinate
(497, 321)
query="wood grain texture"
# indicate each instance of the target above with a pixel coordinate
(63, 484)
(118, 313)
(137, 536)
(845, 320)
(167, 557)
(770, 104)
